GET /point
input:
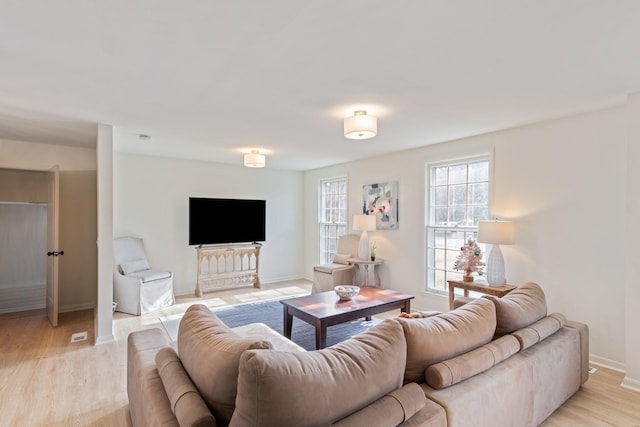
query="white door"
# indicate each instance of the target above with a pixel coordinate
(52, 245)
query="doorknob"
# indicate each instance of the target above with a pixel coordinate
(55, 253)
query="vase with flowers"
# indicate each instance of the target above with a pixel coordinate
(469, 260)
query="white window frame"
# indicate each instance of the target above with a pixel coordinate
(436, 275)
(331, 228)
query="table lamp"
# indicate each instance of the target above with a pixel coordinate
(364, 223)
(495, 233)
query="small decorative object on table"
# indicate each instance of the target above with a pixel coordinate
(347, 292)
(372, 251)
(469, 260)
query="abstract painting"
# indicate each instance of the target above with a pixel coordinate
(381, 200)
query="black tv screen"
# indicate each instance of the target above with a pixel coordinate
(216, 221)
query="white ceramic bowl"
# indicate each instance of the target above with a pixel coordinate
(346, 292)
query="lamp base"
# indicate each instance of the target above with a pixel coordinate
(363, 246)
(495, 267)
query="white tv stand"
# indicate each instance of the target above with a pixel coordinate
(227, 266)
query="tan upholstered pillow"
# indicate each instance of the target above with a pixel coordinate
(436, 338)
(319, 387)
(539, 330)
(341, 258)
(519, 308)
(210, 352)
(459, 368)
(186, 403)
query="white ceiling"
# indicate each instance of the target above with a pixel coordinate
(208, 79)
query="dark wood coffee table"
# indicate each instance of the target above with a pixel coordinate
(326, 309)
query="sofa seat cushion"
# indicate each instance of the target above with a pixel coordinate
(459, 368)
(434, 339)
(186, 403)
(317, 388)
(519, 308)
(210, 352)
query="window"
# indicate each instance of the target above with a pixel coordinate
(458, 197)
(333, 216)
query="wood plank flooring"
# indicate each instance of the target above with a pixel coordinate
(46, 380)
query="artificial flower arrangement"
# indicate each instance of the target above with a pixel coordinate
(469, 260)
(372, 250)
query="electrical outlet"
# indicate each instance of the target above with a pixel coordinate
(592, 370)
(80, 336)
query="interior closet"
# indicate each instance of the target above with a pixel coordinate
(23, 240)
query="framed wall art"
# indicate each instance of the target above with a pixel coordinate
(381, 200)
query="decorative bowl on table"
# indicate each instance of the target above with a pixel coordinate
(346, 292)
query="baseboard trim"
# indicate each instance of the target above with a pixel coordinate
(630, 383)
(607, 363)
(76, 307)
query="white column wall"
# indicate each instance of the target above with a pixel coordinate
(562, 182)
(632, 293)
(104, 312)
(151, 197)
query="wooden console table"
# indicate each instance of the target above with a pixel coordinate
(224, 267)
(484, 288)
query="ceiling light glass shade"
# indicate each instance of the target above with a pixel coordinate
(496, 233)
(364, 223)
(254, 159)
(360, 126)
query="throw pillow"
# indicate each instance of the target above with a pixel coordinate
(341, 258)
(210, 353)
(317, 388)
(519, 308)
(134, 266)
(443, 336)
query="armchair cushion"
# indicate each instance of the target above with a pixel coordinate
(330, 268)
(134, 266)
(341, 258)
(150, 275)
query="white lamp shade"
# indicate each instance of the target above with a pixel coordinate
(364, 222)
(254, 159)
(496, 232)
(360, 126)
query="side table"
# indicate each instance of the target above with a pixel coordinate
(363, 276)
(482, 287)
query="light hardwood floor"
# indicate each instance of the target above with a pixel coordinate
(45, 379)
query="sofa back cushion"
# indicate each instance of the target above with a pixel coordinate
(210, 352)
(519, 308)
(319, 387)
(434, 339)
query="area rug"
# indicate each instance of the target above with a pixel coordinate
(271, 314)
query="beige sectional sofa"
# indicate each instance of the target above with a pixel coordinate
(491, 362)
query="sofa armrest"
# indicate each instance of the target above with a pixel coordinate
(186, 403)
(583, 330)
(148, 402)
(393, 409)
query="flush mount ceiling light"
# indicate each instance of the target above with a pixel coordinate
(254, 159)
(360, 125)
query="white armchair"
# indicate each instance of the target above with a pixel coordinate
(137, 288)
(340, 271)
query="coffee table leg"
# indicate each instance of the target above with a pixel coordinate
(407, 307)
(288, 322)
(321, 334)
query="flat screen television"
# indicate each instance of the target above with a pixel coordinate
(218, 221)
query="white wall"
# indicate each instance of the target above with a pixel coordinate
(562, 182)
(151, 201)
